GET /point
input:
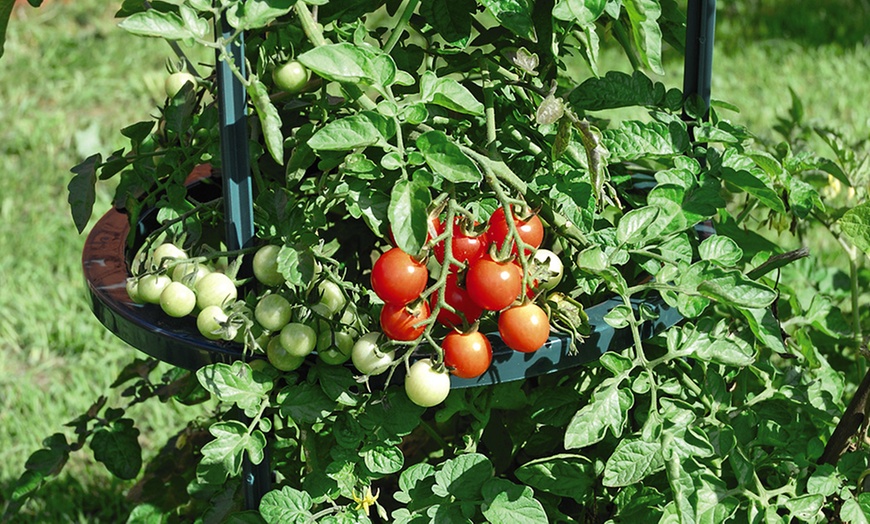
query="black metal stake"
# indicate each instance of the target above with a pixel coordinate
(238, 208)
(698, 67)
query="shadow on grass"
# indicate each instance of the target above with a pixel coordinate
(67, 499)
(808, 23)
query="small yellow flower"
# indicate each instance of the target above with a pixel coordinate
(366, 500)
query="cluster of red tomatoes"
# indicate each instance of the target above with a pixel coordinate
(477, 280)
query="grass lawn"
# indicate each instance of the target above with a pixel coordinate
(70, 79)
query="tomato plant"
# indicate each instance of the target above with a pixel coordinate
(412, 127)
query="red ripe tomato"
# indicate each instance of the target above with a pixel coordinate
(397, 278)
(531, 230)
(468, 354)
(459, 299)
(524, 328)
(464, 248)
(493, 285)
(397, 321)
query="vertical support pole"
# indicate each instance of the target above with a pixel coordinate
(238, 208)
(235, 160)
(698, 67)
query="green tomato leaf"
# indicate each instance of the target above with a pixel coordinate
(270, 120)
(297, 265)
(509, 503)
(305, 403)
(644, 16)
(564, 475)
(445, 159)
(450, 18)
(349, 63)
(617, 89)
(638, 225)
(223, 456)
(582, 12)
(338, 383)
(765, 327)
(286, 506)
(632, 461)
(856, 510)
(805, 508)
(718, 346)
(236, 384)
(733, 288)
(447, 92)
(369, 203)
(83, 191)
(50, 459)
(721, 250)
(515, 15)
(634, 140)
(608, 409)
(855, 225)
(463, 476)
(381, 458)
(346, 133)
(158, 24)
(117, 447)
(260, 13)
(409, 215)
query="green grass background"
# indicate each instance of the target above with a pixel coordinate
(70, 79)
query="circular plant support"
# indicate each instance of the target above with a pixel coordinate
(176, 341)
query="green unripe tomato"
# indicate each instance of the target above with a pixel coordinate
(174, 82)
(298, 339)
(152, 286)
(290, 77)
(215, 289)
(425, 386)
(273, 312)
(132, 286)
(331, 297)
(367, 355)
(266, 265)
(189, 273)
(165, 253)
(280, 358)
(177, 300)
(209, 321)
(334, 347)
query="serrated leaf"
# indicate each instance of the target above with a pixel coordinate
(117, 447)
(447, 92)
(446, 159)
(638, 225)
(564, 475)
(270, 120)
(855, 224)
(157, 24)
(305, 403)
(409, 215)
(644, 16)
(223, 456)
(608, 409)
(509, 503)
(617, 89)
(286, 506)
(515, 15)
(735, 289)
(297, 266)
(806, 507)
(464, 476)
(349, 63)
(720, 249)
(581, 12)
(382, 459)
(345, 134)
(82, 191)
(631, 462)
(260, 13)
(633, 140)
(235, 383)
(451, 19)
